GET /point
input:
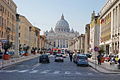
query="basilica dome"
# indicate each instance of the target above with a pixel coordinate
(62, 25)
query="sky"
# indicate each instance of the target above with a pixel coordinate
(45, 13)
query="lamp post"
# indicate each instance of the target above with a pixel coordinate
(17, 36)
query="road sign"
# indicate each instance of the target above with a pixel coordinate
(96, 49)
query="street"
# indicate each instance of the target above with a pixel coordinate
(32, 70)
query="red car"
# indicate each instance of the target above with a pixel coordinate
(107, 58)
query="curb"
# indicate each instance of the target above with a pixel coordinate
(102, 71)
(16, 60)
(105, 68)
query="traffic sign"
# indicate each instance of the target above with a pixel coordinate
(96, 49)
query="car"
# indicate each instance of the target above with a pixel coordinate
(106, 58)
(59, 58)
(44, 59)
(64, 55)
(48, 54)
(88, 55)
(82, 60)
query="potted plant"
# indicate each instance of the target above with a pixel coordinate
(6, 46)
(26, 50)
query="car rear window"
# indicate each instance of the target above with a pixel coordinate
(82, 57)
(58, 55)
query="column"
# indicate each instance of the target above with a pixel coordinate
(119, 26)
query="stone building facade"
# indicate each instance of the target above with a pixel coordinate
(87, 38)
(7, 20)
(110, 26)
(94, 32)
(28, 34)
(77, 44)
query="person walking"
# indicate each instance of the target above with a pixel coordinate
(71, 56)
(119, 63)
(99, 57)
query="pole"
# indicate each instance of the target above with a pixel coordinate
(17, 36)
(95, 59)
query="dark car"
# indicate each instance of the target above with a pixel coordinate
(59, 58)
(44, 58)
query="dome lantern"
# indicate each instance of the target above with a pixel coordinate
(62, 25)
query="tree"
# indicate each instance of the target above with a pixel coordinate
(101, 50)
(6, 46)
(26, 48)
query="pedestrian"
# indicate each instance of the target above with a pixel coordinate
(99, 57)
(70, 55)
(119, 63)
(116, 59)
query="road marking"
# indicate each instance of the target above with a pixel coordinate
(11, 71)
(23, 71)
(34, 71)
(45, 71)
(78, 73)
(90, 73)
(67, 72)
(56, 72)
(35, 66)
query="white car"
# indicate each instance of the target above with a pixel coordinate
(59, 58)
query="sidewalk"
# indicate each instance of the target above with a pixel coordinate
(4, 63)
(104, 67)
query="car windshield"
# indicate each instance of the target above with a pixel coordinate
(44, 56)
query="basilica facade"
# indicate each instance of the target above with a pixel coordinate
(60, 35)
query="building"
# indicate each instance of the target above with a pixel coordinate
(34, 34)
(94, 32)
(24, 31)
(110, 26)
(87, 38)
(7, 20)
(29, 35)
(42, 42)
(77, 44)
(37, 31)
(61, 34)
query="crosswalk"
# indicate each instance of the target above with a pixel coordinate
(54, 72)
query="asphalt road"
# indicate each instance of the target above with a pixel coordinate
(32, 70)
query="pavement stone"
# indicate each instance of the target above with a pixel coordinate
(104, 67)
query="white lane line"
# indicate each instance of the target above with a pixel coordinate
(90, 73)
(34, 71)
(11, 71)
(67, 72)
(23, 71)
(56, 72)
(78, 73)
(45, 71)
(35, 66)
